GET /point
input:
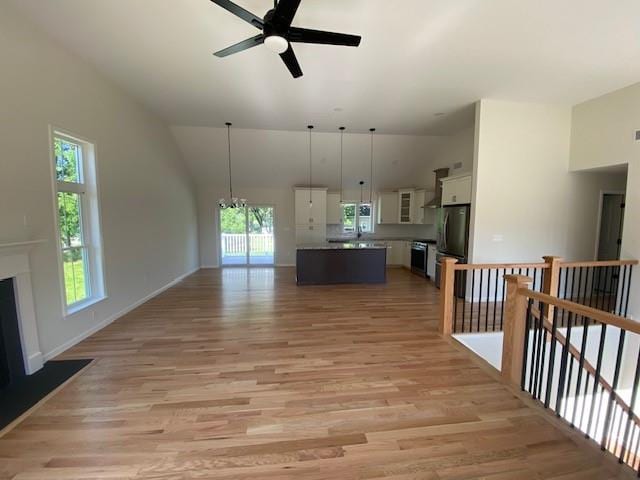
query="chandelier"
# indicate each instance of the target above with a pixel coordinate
(231, 202)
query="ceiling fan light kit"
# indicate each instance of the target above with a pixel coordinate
(278, 34)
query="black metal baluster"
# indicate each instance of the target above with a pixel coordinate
(473, 289)
(533, 381)
(596, 287)
(596, 377)
(626, 303)
(463, 276)
(563, 367)
(572, 361)
(620, 298)
(542, 357)
(583, 349)
(609, 277)
(614, 386)
(573, 282)
(486, 303)
(523, 380)
(456, 285)
(504, 296)
(577, 300)
(552, 357)
(495, 300)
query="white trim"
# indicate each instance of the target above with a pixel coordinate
(599, 218)
(285, 265)
(209, 266)
(109, 320)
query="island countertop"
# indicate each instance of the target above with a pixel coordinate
(343, 246)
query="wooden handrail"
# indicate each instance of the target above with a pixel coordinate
(598, 263)
(498, 266)
(592, 313)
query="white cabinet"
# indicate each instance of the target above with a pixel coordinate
(405, 206)
(311, 207)
(394, 252)
(418, 206)
(456, 190)
(387, 208)
(406, 254)
(310, 234)
(432, 250)
(311, 215)
(334, 209)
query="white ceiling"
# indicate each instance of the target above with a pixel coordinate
(277, 159)
(417, 58)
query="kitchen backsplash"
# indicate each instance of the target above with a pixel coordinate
(390, 231)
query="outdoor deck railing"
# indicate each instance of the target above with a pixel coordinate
(236, 244)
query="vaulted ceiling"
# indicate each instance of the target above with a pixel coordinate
(418, 58)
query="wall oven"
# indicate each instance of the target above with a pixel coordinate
(419, 258)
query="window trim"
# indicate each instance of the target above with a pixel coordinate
(91, 219)
(357, 218)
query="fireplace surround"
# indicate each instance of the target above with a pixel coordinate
(15, 265)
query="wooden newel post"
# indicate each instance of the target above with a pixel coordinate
(447, 277)
(515, 326)
(551, 281)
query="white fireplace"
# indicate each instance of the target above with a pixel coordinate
(14, 264)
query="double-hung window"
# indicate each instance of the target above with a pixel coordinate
(77, 221)
(357, 217)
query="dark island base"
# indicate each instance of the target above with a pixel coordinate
(330, 267)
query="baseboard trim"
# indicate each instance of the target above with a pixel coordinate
(207, 267)
(112, 318)
(285, 264)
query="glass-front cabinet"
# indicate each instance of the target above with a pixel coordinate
(405, 206)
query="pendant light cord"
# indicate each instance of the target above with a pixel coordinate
(310, 127)
(229, 145)
(372, 130)
(341, 161)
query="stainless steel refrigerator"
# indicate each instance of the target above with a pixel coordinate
(452, 227)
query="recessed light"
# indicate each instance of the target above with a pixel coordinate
(439, 114)
(338, 109)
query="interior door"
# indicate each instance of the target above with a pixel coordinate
(261, 235)
(611, 223)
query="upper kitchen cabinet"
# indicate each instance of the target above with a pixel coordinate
(456, 190)
(334, 209)
(311, 206)
(405, 206)
(388, 208)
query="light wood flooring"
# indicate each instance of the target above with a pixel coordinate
(239, 374)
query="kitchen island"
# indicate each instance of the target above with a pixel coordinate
(334, 263)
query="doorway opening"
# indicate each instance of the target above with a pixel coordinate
(247, 236)
(611, 226)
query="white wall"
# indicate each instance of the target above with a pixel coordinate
(146, 194)
(526, 201)
(603, 135)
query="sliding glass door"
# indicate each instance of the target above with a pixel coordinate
(247, 236)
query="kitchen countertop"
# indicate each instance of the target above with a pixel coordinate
(374, 240)
(343, 246)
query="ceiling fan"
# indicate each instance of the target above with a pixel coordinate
(278, 34)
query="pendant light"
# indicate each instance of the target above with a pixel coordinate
(233, 202)
(361, 187)
(310, 127)
(372, 130)
(341, 159)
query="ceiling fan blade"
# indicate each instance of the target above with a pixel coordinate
(306, 35)
(290, 60)
(286, 10)
(239, 47)
(240, 12)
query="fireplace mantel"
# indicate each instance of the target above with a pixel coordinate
(14, 263)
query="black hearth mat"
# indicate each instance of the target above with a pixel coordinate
(24, 393)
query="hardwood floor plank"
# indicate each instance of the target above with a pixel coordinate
(239, 374)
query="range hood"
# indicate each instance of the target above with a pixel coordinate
(436, 202)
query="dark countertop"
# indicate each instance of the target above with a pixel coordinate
(355, 245)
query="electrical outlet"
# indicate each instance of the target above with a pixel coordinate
(497, 238)
(457, 165)
(637, 135)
